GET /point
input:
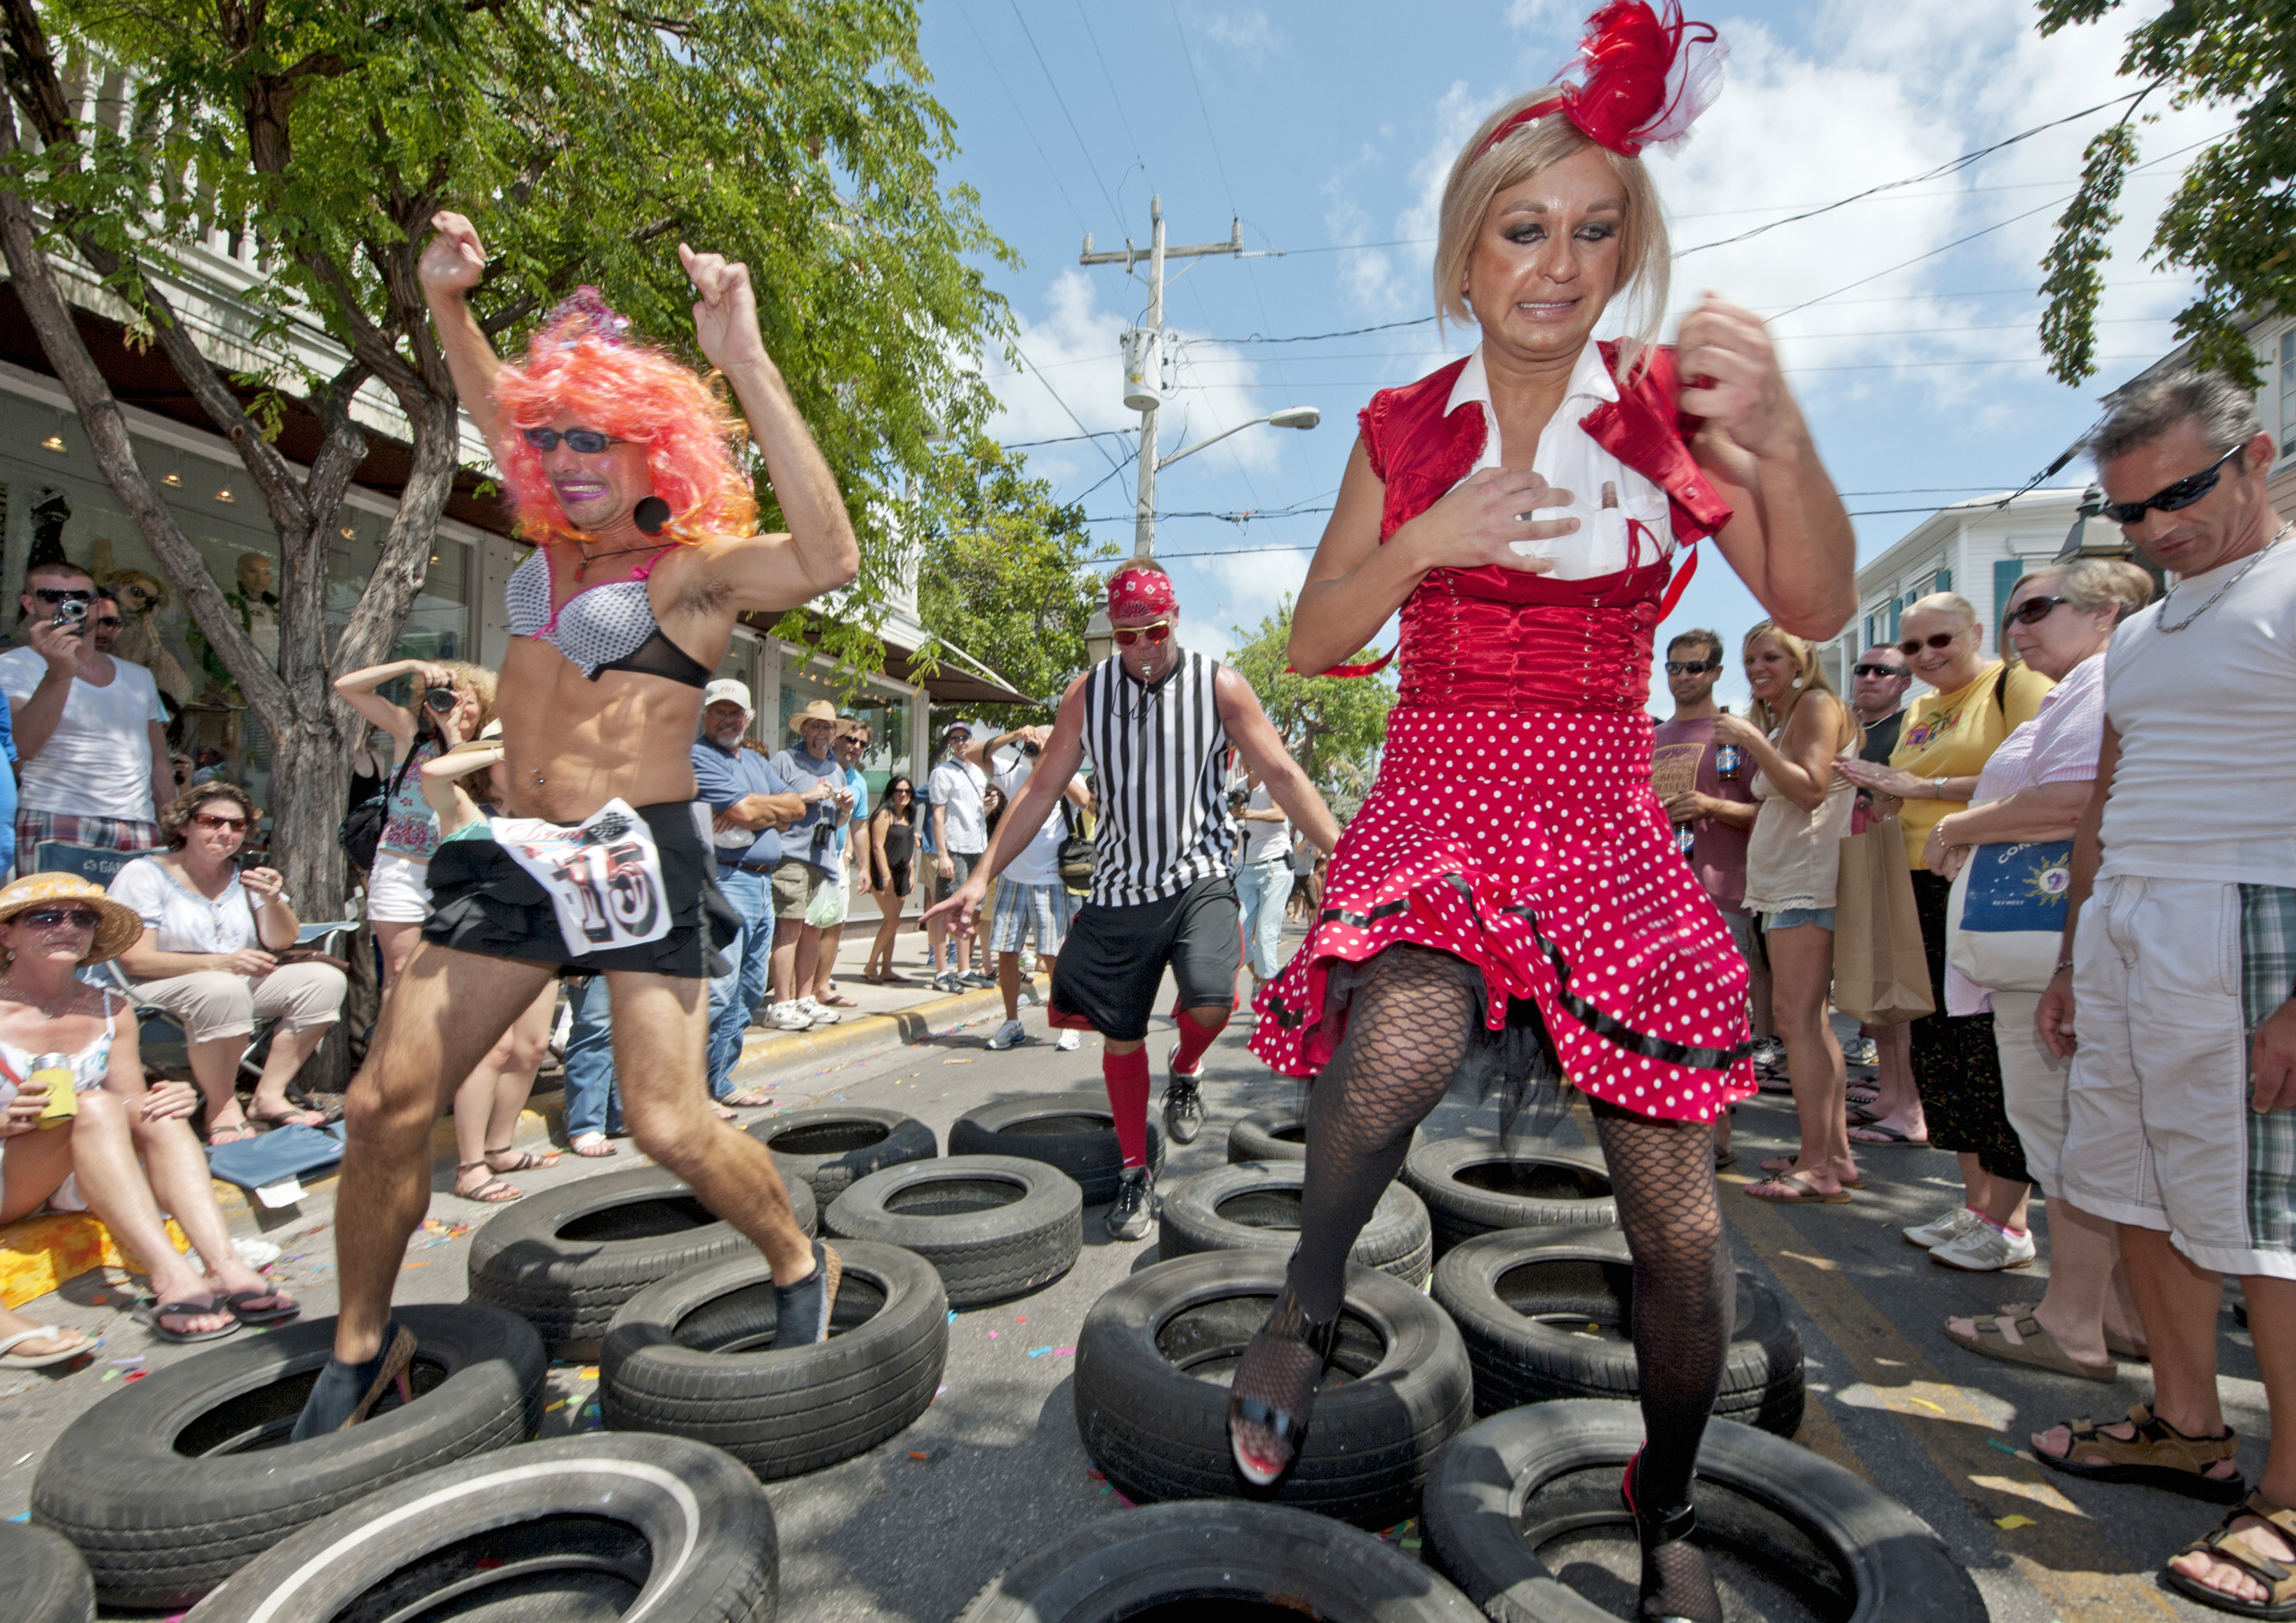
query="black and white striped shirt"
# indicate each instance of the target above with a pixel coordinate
(1158, 758)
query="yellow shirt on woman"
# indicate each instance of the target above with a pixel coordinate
(1953, 736)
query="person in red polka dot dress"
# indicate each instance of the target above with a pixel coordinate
(1510, 888)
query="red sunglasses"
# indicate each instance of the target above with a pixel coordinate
(1155, 631)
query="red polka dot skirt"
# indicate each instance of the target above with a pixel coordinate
(1530, 846)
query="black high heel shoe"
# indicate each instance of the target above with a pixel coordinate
(1288, 1322)
(1654, 1530)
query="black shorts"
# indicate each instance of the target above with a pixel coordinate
(898, 873)
(483, 902)
(1109, 971)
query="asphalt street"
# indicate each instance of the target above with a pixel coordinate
(994, 1469)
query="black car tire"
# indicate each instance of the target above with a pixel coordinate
(834, 1146)
(42, 1577)
(1214, 1551)
(1517, 1481)
(563, 1531)
(1270, 1135)
(168, 1487)
(1254, 1206)
(694, 1357)
(1524, 1298)
(1158, 1428)
(567, 1259)
(1075, 1132)
(993, 1226)
(1473, 1186)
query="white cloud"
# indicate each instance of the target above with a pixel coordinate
(1246, 33)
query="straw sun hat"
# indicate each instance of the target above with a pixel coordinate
(120, 926)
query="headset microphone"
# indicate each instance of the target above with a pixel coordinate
(651, 515)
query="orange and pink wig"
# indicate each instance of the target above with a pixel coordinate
(580, 363)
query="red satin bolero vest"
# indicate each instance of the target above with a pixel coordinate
(1494, 638)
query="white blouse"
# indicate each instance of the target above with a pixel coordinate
(1568, 458)
(186, 921)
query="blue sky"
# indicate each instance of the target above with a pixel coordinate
(1328, 130)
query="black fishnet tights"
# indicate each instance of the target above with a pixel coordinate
(1663, 1172)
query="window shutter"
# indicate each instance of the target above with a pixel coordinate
(1944, 581)
(2006, 574)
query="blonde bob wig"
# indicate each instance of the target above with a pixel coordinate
(1645, 257)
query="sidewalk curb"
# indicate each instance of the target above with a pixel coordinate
(764, 1057)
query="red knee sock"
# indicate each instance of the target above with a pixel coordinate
(1127, 1075)
(1194, 1040)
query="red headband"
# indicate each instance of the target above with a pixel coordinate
(1136, 590)
(1645, 76)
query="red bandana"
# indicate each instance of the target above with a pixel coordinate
(1138, 590)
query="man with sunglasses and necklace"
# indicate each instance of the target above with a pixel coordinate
(2172, 994)
(91, 739)
(623, 466)
(1158, 722)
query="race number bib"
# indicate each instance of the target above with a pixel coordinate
(603, 875)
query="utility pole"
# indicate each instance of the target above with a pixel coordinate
(1144, 352)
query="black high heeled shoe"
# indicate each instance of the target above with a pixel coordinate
(1654, 1529)
(1287, 1322)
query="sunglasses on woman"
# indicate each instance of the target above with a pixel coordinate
(1943, 639)
(589, 442)
(2175, 497)
(2033, 610)
(211, 820)
(52, 918)
(1156, 631)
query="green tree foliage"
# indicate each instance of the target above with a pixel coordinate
(1331, 725)
(1005, 575)
(584, 141)
(2232, 221)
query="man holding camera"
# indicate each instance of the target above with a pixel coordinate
(91, 738)
(1030, 898)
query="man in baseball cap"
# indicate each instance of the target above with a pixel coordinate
(958, 825)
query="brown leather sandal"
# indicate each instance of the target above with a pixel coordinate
(2225, 1544)
(2158, 1456)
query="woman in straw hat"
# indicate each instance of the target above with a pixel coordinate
(81, 1131)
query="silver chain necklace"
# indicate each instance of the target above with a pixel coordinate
(2218, 597)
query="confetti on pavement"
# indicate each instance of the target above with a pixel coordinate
(1995, 1442)
(2010, 1524)
(1039, 1352)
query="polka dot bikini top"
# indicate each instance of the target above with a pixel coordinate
(599, 628)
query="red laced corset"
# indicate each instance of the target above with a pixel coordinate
(1497, 640)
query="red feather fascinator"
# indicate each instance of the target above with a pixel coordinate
(1642, 76)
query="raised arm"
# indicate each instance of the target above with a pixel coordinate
(818, 553)
(442, 786)
(1789, 538)
(358, 690)
(451, 265)
(1263, 748)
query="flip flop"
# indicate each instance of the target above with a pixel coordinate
(10, 1358)
(238, 1133)
(2037, 1349)
(276, 1315)
(1784, 1164)
(592, 1145)
(749, 1098)
(149, 1310)
(1878, 1134)
(289, 1117)
(1809, 1194)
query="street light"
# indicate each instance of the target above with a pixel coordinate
(1099, 636)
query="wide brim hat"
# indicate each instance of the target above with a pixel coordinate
(120, 928)
(820, 710)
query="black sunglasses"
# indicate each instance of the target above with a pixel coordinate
(2173, 498)
(1687, 667)
(589, 442)
(2033, 610)
(1879, 670)
(67, 594)
(1942, 639)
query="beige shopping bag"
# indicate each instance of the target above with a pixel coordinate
(1880, 974)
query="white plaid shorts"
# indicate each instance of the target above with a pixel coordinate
(1049, 909)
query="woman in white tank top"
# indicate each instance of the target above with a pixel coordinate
(1792, 862)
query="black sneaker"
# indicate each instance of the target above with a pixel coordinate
(1136, 1205)
(801, 1311)
(1184, 1109)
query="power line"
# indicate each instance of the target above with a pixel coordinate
(1083, 152)
(1062, 439)
(1955, 167)
(1037, 371)
(1115, 99)
(1931, 254)
(1204, 108)
(990, 57)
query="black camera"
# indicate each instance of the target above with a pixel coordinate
(1032, 750)
(439, 700)
(71, 611)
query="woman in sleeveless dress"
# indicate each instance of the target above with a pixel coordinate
(1510, 891)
